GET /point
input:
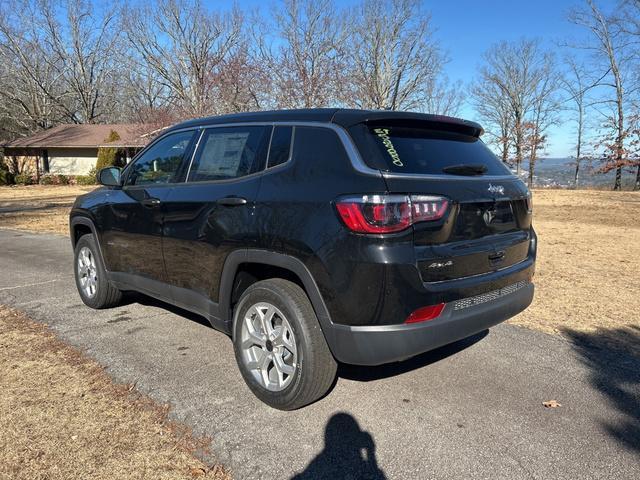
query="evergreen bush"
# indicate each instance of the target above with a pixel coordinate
(108, 156)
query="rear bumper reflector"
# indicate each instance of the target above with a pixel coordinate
(425, 313)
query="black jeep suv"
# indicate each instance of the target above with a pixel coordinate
(313, 237)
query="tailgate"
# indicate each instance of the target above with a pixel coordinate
(487, 227)
(487, 223)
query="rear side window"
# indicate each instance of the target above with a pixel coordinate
(421, 151)
(318, 146)
(225, 153)
(280, 149)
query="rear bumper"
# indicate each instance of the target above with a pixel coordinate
(376, 345)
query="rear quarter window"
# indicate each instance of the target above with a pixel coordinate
(280, 147)
(422, 151)
(318, 146)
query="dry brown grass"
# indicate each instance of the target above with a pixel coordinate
(63, 418)
(43, 192)
(588, 267)
(39, 208)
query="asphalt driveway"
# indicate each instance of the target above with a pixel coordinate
(471, 410)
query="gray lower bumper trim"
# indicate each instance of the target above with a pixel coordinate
(376, 345)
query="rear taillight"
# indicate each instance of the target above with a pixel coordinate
(389, 213)
(425, 313)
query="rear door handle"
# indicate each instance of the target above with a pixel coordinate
(231, 201)
(151, 202)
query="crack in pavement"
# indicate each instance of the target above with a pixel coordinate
(35, 284)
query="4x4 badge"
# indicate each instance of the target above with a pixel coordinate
(499, 189)
(448, 263)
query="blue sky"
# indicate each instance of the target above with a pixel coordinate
(466, 28)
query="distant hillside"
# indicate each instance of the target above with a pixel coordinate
(559, 172)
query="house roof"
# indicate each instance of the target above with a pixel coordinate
(86, 136)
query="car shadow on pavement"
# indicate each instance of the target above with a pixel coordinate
(614, 370)
(142, 299)
(349, 452)
(367, 374)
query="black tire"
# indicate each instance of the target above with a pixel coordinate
(105, 294)
(315, 369)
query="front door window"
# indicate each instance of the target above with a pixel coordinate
(161, 162)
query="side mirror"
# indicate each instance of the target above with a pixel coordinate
(109, 177)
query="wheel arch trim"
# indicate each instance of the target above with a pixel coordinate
(266, 257)
(87, 222)
(80, 220)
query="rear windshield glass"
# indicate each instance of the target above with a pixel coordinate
(422, 151)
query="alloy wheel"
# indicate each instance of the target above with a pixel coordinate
(87, 272)
(268, 346)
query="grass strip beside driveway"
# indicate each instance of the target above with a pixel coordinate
(63, 417)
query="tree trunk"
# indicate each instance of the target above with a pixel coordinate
(505, 151)
(533, 155)
(620, 153)
(636, 187)
(532, 163)
(618, 184)
(519, 140)
(579, 145)
(518, 155)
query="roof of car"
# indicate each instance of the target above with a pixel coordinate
(340, 116)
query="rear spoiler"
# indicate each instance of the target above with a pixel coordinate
(348, 118)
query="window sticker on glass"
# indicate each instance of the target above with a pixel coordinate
(222, 154)
(383, 135)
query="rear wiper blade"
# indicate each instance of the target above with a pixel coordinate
(466, 169)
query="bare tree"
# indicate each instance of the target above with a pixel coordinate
(301, 51)
(61, 58)
(544, 111)
(629, 17)
(505, 69)
(395, 61)
(613, 53)
(577, 83)
(634, 147)
(85, 48)
(31, 88)
(183, 45)
(523, 80)
(443, 98)
(629, 20)
(143, 95)
(31, 98)
(241, 83)
(494, 109)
